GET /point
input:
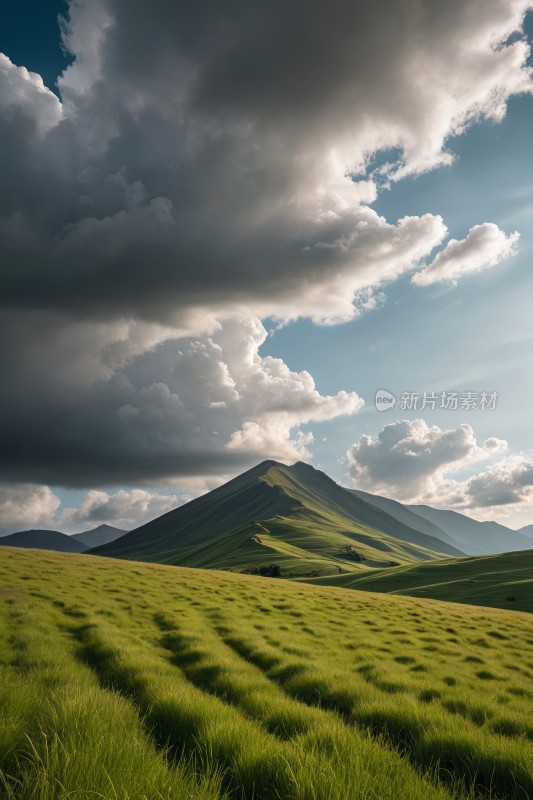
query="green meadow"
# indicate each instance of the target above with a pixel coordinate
(500, 581)
(129, 681)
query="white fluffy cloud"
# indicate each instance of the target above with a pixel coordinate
(221, 388)
(485, 246)
(25, 97)
(122, 509)
(507, 483)
(26, 506)
(413, 462)
(32, 506)
(198, 407)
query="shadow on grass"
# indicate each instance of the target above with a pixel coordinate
(448, 757)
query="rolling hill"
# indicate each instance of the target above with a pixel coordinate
(44, 540)
(130, 680)
(295, 517)
(498, 581)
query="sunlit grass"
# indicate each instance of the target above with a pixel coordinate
(121, 680)
(504, 580)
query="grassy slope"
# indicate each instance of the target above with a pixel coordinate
(500, 581)
(305, 519)
(140, 681)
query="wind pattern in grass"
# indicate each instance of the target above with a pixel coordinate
(136, 681)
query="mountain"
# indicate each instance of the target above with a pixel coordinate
(44, 540)
(294, 517)
(103, 534)
(406, 515)
(499, 581)
(473, 537)
(527, 531)
(457, 530)
(54, 540)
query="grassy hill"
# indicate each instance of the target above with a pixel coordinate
(134, 681)
(500, 581)
(295, 517)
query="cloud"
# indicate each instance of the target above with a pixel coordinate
(485, 246)
(507, 483)
(193, 406)
(32, 506)
(121, 509)
(255, 402)
(412, 461)
(239, 170)
(26, 102)
(26, 505)
(208, 166)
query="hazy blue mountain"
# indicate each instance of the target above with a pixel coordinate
(473, 537)
(409, 517)
(103, 534)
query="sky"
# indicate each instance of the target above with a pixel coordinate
(224, 228)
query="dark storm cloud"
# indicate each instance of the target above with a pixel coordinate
(90, 402)
(208, 167)
(206, 146)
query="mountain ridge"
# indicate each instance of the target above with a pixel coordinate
(103, 534)
(43, 540)
(310, 523)
(477, 538)
(527, 530)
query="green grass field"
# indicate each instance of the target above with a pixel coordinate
(125, 681)
(500, 581)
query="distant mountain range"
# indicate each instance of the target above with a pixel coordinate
(294, 521)
(301, 521)
(475, 538)
(527, 531)
(54, 540)
(457, 530)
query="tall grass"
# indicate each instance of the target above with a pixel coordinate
(128, 681)
(63, 736)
